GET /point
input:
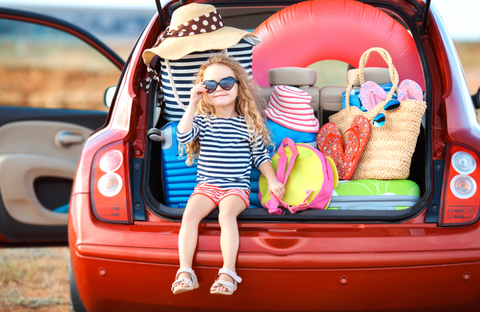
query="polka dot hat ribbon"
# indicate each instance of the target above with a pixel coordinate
(196, 27)
(199, 25)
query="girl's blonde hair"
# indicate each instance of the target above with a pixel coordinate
(249, 103)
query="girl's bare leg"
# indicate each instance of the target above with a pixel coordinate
(198, 207)
(230, 207)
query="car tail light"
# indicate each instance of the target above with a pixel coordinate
(461, 197)
(110, 187)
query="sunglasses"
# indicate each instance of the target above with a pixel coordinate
(226, 84)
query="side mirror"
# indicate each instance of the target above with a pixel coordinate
(476, 99)
(109, 94)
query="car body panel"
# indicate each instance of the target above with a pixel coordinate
(329, 289)
(397, 288)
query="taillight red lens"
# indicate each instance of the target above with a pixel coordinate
(461, 197)
(110, 187)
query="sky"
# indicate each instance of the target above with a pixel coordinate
(460, 16)
(85, 3)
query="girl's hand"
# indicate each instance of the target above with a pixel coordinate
(274, 186)
(196, 93)
(277, 188)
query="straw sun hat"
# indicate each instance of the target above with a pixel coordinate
(194, 28)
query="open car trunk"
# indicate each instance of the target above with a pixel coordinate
(373, 208)
(359, 209)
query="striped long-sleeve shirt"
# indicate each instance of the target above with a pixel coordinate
(184, 73)
(226, 151)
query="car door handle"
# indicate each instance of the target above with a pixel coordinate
(66, 139)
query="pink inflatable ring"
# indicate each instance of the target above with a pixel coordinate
(342, 30)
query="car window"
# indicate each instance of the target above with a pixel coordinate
(330, 73)
(45, 67)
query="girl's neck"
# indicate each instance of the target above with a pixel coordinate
(225, 112)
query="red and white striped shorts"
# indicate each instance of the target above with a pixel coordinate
(217, 194)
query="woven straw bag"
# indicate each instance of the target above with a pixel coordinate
(390, 148)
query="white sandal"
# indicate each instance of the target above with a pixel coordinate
(191, 282)
(230, 286)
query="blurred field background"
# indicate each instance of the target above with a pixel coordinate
(34, 279)
(469, 53)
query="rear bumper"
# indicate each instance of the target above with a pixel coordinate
(111, 275)
(113, 285)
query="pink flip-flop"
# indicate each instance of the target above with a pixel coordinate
(409, 90)
(371, 94)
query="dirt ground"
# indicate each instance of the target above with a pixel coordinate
(34, 279)
(56, 308)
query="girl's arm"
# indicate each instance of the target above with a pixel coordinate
(261, 160)
(186, 123)
(274, 186)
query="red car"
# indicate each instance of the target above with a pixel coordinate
(123, 230)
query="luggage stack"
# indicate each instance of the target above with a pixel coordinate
(180, 180)
(375, 195)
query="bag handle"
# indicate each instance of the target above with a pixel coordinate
(282, 174)
(174, 89)
(393, 77)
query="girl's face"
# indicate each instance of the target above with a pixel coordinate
(221, 98)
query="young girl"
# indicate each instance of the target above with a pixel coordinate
(225, 128)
